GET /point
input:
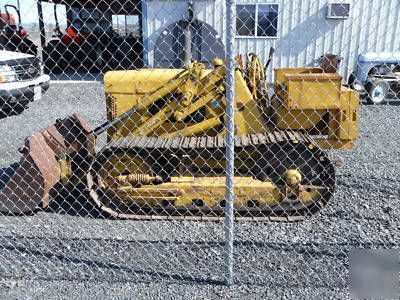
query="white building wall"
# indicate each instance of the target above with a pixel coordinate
(161, 13)
(304, 32)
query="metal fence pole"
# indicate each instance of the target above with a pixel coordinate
(230, 155)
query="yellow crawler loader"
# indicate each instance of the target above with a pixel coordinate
(165, 155)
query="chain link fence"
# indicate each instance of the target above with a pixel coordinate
(215, 147)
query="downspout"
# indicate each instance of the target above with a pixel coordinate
(41, 27)
(145, 36)
(187, 36)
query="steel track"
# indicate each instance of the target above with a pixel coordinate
(214, 147)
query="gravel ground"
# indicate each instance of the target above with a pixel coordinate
(70, 251)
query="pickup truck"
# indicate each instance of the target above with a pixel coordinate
(22, 80)
(377, 74)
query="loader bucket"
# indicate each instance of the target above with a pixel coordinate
(28, 186)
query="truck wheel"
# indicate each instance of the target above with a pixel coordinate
(8, 110)
(354, 84)
(377, 90)
(53, 57)
(31, 47)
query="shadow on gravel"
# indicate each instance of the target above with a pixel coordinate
(72, 201)
(12, 112)
(386, 102)
(391, 100)
(341, 182)
(26, 249)
(151, 275)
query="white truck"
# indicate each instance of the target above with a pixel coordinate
(377, 74)
(22, 80)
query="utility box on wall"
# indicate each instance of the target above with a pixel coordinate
(338, 10)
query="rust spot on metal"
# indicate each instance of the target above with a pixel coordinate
(29, 185)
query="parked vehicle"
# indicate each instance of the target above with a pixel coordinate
(376, 74)
(21, 81)
(90, 42)
(12, 36)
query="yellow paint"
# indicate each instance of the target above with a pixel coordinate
(248, 118)
(211, 190)
(65, 170)
(292, 176)
(306, 99)
(196, 129)
(316, 102)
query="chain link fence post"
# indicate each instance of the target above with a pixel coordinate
(230, 155)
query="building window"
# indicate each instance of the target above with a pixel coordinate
(257, 20)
